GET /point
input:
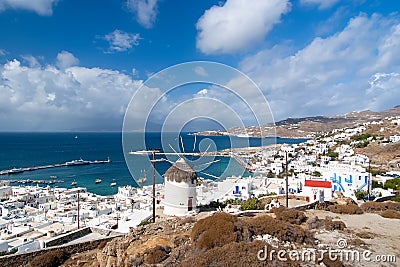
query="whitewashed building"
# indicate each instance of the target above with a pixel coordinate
(317, 190)
(346, 178)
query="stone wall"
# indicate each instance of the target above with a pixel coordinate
(63, 239)
(20, 260)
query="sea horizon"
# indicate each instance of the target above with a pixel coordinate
(30, 149)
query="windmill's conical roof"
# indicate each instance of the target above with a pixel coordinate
(180, 171)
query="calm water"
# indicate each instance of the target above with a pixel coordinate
(22, 150)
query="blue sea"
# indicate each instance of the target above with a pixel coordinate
(22, 150)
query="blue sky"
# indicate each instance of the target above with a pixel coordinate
(74, 65)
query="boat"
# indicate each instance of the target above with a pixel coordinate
(15, 170)
(97, 181)
(74, 183)
(113, 183)
(142, 179)
(77, 162)
(243, 135)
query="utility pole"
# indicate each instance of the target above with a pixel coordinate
(78, 208)
(287, 181)
(154, 184)
(369, 180)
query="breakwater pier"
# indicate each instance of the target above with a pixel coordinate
(78, 162)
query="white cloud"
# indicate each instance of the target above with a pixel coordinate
(383, 90)
(41, 7)
(332, 75)
(65, 60)
(32, 61)
(75, 98)
(121, 41)
(144, 10)
(322, 4)
(238, 24)
(202, 92)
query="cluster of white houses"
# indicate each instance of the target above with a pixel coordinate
(33, 215)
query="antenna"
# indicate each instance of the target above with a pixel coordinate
(175, 151)
(183, 148)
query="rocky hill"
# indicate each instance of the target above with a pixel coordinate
(309, 126)
(222, 239)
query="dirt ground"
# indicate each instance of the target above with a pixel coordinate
(381, 236)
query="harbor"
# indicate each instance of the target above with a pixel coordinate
(78, 162)
(33, 181)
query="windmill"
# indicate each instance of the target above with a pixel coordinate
(180, 177)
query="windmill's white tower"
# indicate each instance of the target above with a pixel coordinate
(180, 189)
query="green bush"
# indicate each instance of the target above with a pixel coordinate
(397, 199)
(332, 154)
(252, 204)
(376, 184)
(360, 194)
(393, 184)
(361, 137)
(143, 223)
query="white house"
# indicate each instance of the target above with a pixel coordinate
(347, 181)
(317, 190)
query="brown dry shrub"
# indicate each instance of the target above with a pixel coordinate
(392, 214)
(235, 254)
(52, 258)
(331, 225)
(291, 216)
(346, 209)
(283, 231)
(373, 206)
(156, 254)
(214, 231)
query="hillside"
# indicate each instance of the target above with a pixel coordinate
(309, 126)
(222, 239)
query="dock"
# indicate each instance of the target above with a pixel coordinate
(79, 162)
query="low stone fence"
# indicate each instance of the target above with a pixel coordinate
(63, 239)
(20, 260)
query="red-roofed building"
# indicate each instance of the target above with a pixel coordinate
(318, 183)
(317, 190)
